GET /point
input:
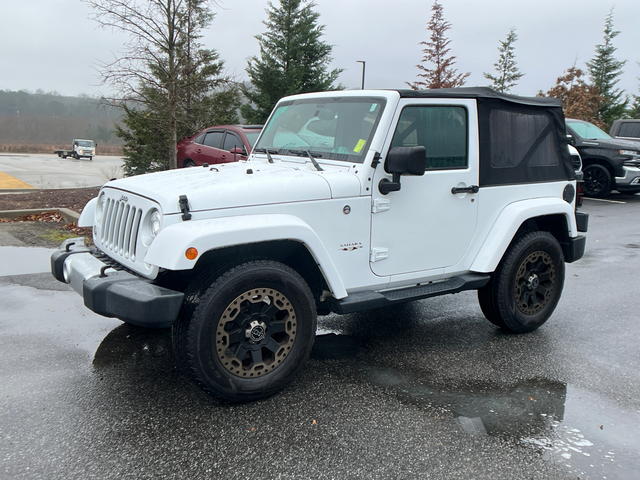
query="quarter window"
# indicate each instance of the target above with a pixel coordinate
(442, 130)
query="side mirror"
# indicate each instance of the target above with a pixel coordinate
(571, 140)
(238, 151)
(402, 161)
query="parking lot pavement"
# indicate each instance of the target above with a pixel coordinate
(49, 171)
(425, 390)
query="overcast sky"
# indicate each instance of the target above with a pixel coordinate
(52, 44)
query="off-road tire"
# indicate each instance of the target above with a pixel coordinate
(597, 181)
(247, 335)
(525, 288)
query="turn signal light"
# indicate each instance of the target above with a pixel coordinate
(191, 253)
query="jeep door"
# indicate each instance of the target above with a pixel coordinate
(426, 225)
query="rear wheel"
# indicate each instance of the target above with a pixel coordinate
(597, 181)
(250, 332)
(526, 287)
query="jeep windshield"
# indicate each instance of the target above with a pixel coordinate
(338, 128)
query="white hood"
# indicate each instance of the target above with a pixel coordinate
(241, 184)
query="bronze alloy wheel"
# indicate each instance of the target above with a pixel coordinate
(256, 332)
(534, 283)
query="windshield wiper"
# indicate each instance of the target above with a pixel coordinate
(310, 156)
(264, 150)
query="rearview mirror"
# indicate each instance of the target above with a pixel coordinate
(402, 161)
(238, 151)
(406, 160)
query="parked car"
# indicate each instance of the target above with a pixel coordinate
(218, 144)
(626, 129)
(608, 163)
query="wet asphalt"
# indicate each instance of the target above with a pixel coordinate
(426, 390)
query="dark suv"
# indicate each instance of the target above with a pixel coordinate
(608, 163)
(218, 144)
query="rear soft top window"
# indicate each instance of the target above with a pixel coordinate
(522, 143)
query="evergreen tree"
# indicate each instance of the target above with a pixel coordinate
(292, 60)
(442, 75)
(634, 109)
(507, 71)
(165, 79)
(604, 71)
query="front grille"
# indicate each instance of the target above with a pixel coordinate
(120, 227)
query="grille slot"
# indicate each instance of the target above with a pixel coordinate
(120, 224)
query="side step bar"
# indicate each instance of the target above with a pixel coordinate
(356, 302)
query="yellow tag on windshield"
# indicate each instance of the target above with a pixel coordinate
(359, 145)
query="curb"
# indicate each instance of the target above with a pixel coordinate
(69, 216)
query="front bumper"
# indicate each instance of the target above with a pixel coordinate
(630, 181)
(112, 293)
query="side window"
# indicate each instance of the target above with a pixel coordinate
(630, 129)
(231, 141)
(213, 139)
(199, 139)
(442, 130)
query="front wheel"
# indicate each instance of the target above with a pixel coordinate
(597, 181)
(525, 288)
(250, 332)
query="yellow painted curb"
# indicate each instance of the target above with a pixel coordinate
(7, 181)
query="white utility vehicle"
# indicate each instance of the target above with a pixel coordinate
(350, 200)
(80, 148)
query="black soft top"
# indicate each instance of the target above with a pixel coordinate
(522, 139)
(480, 92)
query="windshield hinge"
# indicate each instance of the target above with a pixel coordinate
(184, 207)
(376, 160)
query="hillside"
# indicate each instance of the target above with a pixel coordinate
(40, 118)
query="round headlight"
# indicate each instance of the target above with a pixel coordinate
(152, 225)
(102, 200)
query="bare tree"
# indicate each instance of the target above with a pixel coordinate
(442, 75)
(162, 64)
(579, 100)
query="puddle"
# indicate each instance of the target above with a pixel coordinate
(586, 434)
(23, 260)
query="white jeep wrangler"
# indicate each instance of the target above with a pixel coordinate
(350, 200)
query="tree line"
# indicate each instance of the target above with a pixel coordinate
(49, 118)
(168, 85)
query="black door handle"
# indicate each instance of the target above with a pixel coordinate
(469, 189)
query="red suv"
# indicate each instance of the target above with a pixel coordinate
(219, 144)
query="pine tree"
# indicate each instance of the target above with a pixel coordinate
(579, 100)
(292, 60)
(634, 109)
(443, 75)
(604, 71)
(508, 73)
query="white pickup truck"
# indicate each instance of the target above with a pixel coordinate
(350, 200)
